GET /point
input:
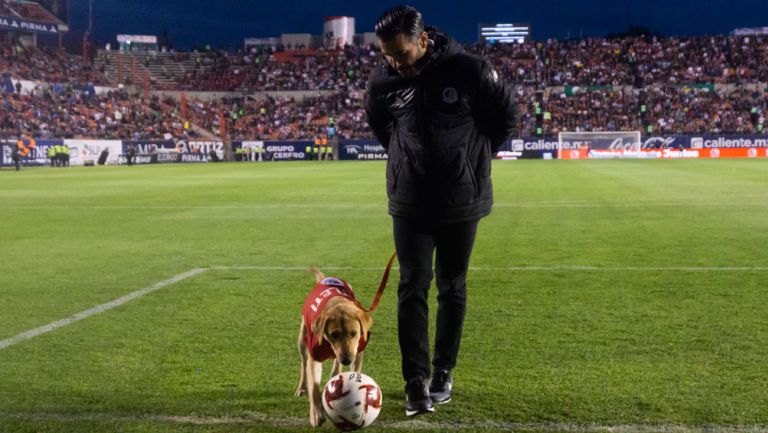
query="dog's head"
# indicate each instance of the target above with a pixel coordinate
(342, 324)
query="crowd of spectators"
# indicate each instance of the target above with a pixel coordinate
(651, 110)
(654, 85)
(72, 112)
(344, 70)
(215, 70)
(47, 65)
(283, 118)
(263, 70)
(634, 61)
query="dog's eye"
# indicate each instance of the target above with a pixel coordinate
(352, 333)
(335, 335)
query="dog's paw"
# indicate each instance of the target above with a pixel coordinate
(300, 391)
(316, 417)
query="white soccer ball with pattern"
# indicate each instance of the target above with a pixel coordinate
(351, 400)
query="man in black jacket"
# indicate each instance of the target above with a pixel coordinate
(442, 115)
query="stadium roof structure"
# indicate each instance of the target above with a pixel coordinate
(29, 16)
(746, 31)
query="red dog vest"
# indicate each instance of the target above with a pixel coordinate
(323, 291)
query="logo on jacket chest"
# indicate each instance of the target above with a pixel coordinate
(401, 98)
(450, 95)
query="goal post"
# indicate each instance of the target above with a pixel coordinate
(608, 144)
(608, 140)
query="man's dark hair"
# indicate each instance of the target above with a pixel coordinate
(401, 19)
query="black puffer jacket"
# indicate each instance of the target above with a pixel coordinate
(441, 129)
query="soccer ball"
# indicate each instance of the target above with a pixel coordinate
(351, 400)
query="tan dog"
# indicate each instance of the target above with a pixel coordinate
(333, 325)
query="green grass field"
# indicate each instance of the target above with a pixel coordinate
(625, 296)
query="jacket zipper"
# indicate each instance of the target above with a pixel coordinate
(420, 117)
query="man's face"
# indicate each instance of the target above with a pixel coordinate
(402, 52)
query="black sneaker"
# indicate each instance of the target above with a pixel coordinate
(440, 386)
(417, 399)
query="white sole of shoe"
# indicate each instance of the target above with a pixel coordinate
(418, 412)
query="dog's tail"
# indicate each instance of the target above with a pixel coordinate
(317, 273)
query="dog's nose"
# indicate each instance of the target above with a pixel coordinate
(346, 361)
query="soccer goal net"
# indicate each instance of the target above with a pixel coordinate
(610, 140)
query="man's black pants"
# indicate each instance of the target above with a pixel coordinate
(415, 242)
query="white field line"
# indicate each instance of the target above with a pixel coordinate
(515, 268)
(97, 309)
(296, 268)
(26, 335)
(258, 419)
(758, 203)
(622, 268)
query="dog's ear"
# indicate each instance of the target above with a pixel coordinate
(317, 273)
(318, 327)
(366, 321)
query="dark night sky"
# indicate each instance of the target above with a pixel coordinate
(196, 22)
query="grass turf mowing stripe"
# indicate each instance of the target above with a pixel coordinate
(184, 275)
(97, 309)
(554, 204)
(516, 268)
(256, 419)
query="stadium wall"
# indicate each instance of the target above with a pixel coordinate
(28, 87)
(301, 94)
(298, 95)
(662, 146)
(113, 152)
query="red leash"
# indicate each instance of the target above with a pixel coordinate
(383, 284)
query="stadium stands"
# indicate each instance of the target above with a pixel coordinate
(587, 62)
(669, 110)
(74, 112)
(47, 65)
(659, 86)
